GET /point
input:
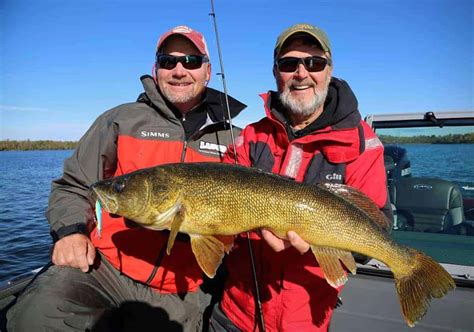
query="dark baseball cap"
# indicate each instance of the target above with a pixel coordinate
(303, 28)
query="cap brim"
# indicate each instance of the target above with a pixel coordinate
(302, 31)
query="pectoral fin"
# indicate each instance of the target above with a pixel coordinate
(210, 250)
(175, 226)
(329, 260)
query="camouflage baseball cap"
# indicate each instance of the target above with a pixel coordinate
(303, 28)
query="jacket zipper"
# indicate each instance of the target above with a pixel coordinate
(185, 146)
(183, 153)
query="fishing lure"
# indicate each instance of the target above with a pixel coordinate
(98, 216)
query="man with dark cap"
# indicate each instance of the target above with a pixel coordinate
(120, 278)
(312, 133)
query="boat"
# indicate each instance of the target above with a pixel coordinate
(10, 289)
(433, 213)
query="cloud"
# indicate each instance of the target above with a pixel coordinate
(23, 109)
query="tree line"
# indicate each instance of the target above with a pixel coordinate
(431, 139)
(386, 139)
(37, 145)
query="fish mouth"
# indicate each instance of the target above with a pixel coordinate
(108, 202)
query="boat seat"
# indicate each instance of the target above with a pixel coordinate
(428, 205)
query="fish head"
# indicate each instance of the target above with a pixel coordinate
(126, 195)
(149, 197)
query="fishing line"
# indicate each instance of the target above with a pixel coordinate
(258, 301)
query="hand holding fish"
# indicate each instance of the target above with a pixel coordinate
(279, 244)
(74, 250)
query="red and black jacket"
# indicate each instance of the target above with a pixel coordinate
(338, 147)
(133, 136)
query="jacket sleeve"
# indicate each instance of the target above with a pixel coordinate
(70, 209)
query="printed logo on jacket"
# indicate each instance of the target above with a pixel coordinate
(157, 133)
(213, 148)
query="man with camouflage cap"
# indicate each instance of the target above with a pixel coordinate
(313, 133)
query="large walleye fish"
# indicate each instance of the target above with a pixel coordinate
(213, 202)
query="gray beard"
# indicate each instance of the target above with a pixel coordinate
(299, 108)
(177, 99)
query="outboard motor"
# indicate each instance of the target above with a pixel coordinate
(397, 163)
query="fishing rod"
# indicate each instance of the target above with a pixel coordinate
(221, 63)
(258, 301)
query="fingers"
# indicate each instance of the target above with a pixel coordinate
(279, 244)
(274, 242)
(74, 250)
(296, 241)
(80, 256)
(90, 253)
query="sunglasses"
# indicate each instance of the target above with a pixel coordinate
(311, 63)
(166, 61)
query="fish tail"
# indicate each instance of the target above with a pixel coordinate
(425, 279)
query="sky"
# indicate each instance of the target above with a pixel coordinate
(64, 62)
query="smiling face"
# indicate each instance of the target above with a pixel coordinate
(182, 87)
(302, 92)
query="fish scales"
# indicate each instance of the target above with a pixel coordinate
(260, 200)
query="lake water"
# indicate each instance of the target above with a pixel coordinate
(451, 162)
(25, 181)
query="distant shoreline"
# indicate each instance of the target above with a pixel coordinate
(27, 145)
(446, 139)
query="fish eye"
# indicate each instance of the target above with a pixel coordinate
(118, 186)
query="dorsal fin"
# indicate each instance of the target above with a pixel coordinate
(360, 200)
